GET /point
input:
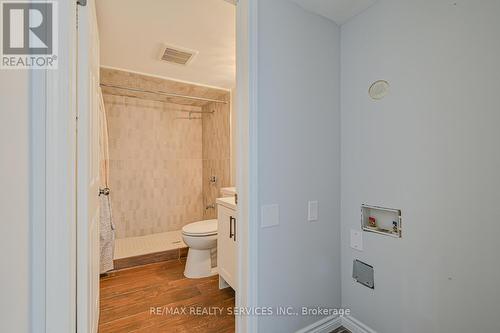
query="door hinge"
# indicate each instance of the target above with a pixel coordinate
(82, 3)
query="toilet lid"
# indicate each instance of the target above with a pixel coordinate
(202, 228)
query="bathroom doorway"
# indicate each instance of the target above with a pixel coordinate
(167, 118)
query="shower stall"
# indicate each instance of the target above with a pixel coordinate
(169, 156)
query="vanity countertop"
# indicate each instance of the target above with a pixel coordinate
(228, 202)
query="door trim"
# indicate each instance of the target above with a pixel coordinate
(247, 160)
(53, 186)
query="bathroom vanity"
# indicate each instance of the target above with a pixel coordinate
(227, 242)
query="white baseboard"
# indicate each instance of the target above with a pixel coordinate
(325, 325)
(328, 324)
(355, 326)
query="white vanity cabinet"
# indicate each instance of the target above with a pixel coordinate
(227, 242)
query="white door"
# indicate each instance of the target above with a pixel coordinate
(226, 245)
(88, 171)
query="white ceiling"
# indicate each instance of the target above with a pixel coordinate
(133, 34)
(339, 11)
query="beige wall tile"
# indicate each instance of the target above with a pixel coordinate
(216, 153)
(155, 166)
(159, 163)
(120, 78)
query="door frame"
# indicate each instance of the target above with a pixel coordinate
(247, 160)
(53, 191)
(53, 185)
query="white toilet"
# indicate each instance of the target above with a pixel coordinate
(201, 238)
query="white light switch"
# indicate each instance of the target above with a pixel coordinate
(270, 216)
(357, 239)
(312, 211)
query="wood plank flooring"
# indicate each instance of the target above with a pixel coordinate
(139, 299)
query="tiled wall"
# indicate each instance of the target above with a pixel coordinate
(160, 164)
(216, 153)
(155, 166)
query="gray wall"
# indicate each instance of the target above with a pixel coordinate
(431, 148)
(14, 201)
(299, 150)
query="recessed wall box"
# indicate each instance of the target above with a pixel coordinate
(363, 273)
(380, 220)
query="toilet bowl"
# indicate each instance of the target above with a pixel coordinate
(201, 238)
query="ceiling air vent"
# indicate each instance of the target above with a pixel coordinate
(178, 55)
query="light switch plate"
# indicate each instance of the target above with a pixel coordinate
(357, 239)
(270, 216)
(312, 211)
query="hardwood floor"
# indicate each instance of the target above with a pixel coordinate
(151, 299)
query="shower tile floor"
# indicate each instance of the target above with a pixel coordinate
(141, 245)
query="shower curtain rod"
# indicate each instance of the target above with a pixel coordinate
(165, 94)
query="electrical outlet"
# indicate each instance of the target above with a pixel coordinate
(357, 239)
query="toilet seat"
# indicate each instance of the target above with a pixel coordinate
(201, 228)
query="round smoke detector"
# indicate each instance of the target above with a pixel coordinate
(379, 89)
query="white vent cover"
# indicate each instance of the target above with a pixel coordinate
(379, 89)
(178, 55)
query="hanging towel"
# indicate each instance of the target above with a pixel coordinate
(107, 234)
(107, 228)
